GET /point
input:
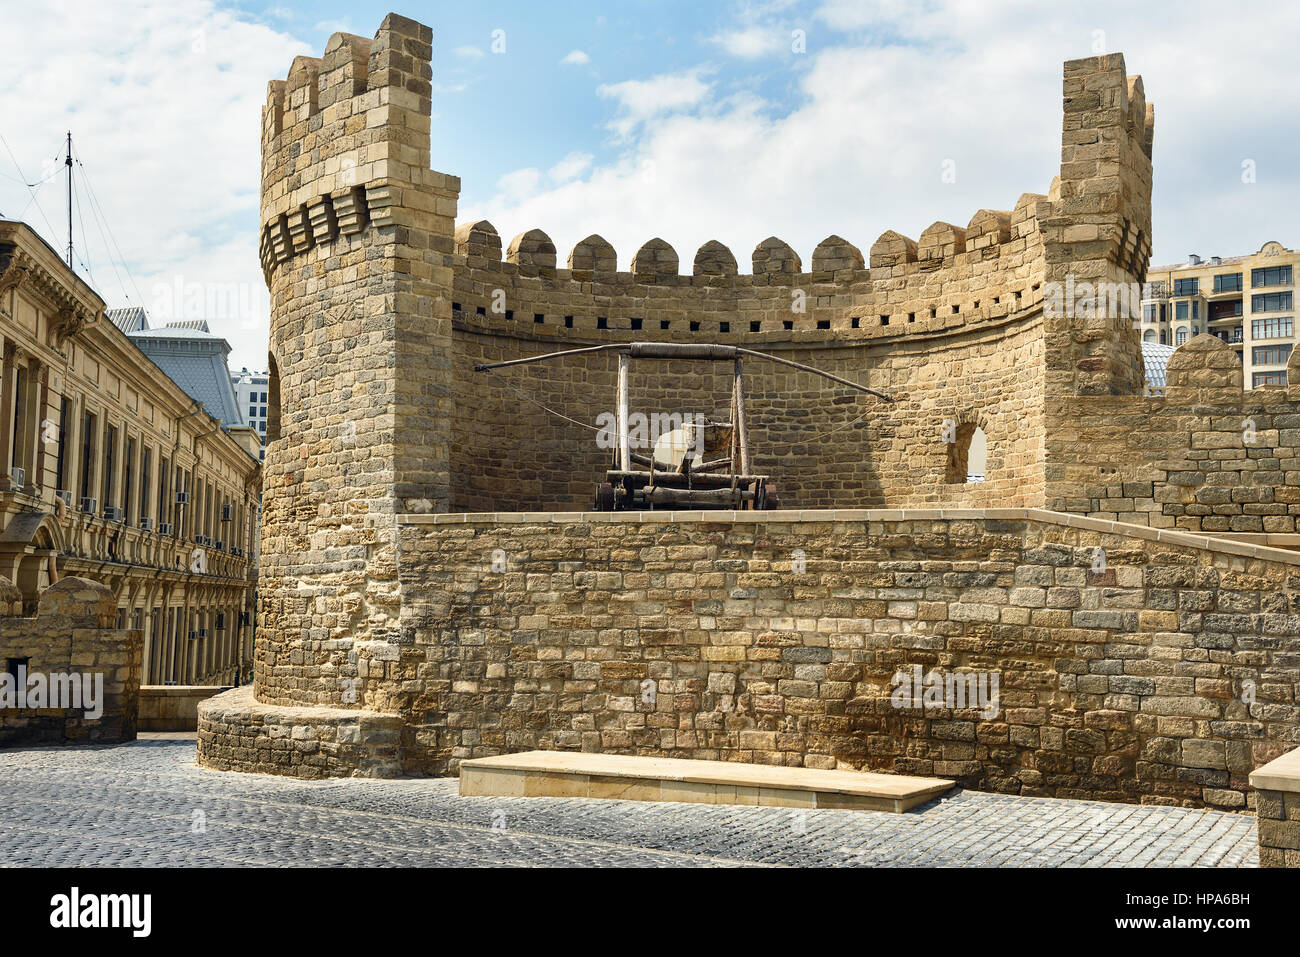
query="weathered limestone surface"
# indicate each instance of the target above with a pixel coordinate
(1277, 808)
(1164, 674)
(72, 634)
(1165, 678)
(1206, 457)
(173, 707)
(237, 733)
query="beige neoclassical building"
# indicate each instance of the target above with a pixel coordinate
(1245, 301)
(109, 471)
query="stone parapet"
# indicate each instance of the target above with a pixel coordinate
(1277, 808)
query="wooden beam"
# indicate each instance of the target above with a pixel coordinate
(624, 449)
(742, 434)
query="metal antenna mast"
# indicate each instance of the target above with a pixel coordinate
(68, 163)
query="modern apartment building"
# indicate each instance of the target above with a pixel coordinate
(110, 471)
(1247, 301)
(251, 389)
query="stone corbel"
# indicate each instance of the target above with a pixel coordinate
(67, 323)
(11, 277)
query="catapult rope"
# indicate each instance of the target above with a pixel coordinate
(560, 415)
(528, 398)
(822, 435)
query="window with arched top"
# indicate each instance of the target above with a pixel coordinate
(967, 455)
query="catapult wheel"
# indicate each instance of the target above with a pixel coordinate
(770, 498)
(604, 497)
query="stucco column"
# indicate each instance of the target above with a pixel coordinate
(97, 457)
(71, 439)
(37, 478)
(118, 479)
(7, 413)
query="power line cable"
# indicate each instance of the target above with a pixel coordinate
(85, 243)
(30, 188)
(95, 203)
(94, 217)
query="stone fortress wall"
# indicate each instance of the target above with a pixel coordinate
(82, 614)
(778, 642)
(381, 610)
(963, 299)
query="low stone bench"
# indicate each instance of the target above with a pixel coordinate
(1277, 811)
(625, 778)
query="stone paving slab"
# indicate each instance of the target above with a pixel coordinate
(148, 804)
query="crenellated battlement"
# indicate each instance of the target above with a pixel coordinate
(990, 270)
(346, 150)
(346, 153)
(345, 143)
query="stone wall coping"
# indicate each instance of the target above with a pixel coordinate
(183, 691)
(240, 704)
(1245, 549)
(1280, 774)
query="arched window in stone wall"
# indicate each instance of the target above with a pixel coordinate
(273, 399)
(967, 454)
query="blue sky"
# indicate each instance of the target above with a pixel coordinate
(684, 120)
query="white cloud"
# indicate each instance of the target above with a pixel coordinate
(171, 138)
(642, 100)
(571, 167)
(468, 52)
(519, 184)
(334, 26)
(878, 113)
(576, 58)
(163, 101)
(751, 42)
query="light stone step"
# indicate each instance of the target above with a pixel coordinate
(628, 778)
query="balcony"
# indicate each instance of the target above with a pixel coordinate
(1225, 308)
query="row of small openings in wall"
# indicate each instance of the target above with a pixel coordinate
(602, 322)
(856, 321)
(636, 324)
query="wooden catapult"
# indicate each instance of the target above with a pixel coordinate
(698, 465)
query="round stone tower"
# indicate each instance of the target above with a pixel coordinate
(355, 233)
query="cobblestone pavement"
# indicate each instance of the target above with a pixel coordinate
(147, 803)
